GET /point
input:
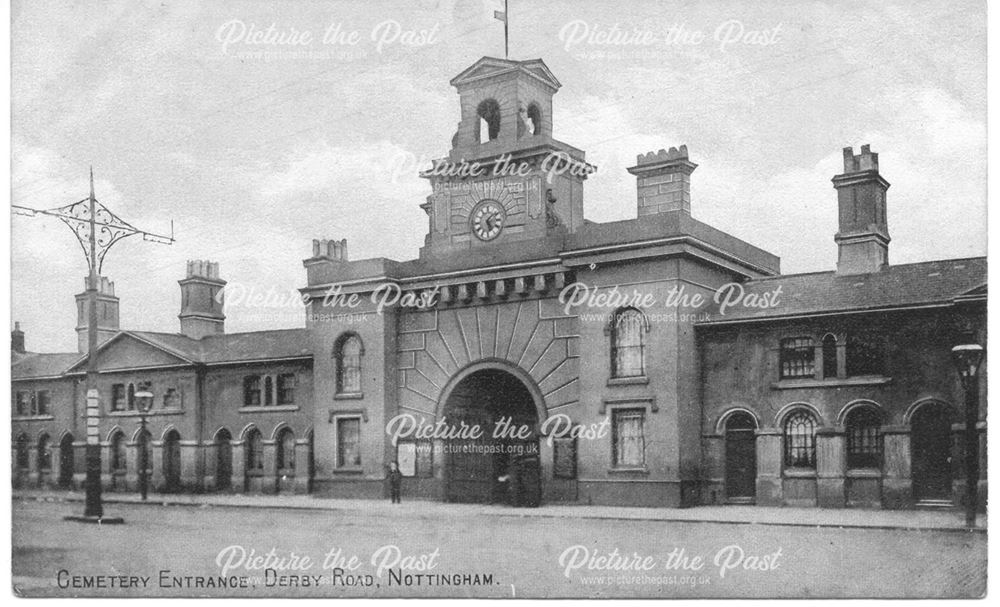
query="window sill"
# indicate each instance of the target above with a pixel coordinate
(799, 473)
(864, 473)
(642, 471)
(628, 381)
(835, 382)
(269, 409)
(348, 396)
(153, 413)
(32, 418)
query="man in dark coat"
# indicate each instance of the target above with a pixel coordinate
(395, 482)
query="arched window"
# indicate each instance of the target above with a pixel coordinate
(23, 459)
(255, 451)
(286, 450)
(800, 440)
(44, 453)
(118, 457)
(347, 354)
(829, 356)
(130, 403)
(797, 357)
(627, 328)
(534, 119)
(489, 120)
(864, 438)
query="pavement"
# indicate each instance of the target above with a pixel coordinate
(933, 520)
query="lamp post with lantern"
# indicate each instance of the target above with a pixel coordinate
(967, 358)
(144, 401)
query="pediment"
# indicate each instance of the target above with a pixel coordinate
(492, 67)
(128, 351)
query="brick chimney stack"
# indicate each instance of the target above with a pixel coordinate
(663, 181)
(863, 234)
(107, 313)
(202, 300)
(17, 339)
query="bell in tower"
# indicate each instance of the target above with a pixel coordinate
(506, 178)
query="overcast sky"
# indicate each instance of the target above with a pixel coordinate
(253, 156)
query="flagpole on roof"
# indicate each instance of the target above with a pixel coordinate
(502, 16)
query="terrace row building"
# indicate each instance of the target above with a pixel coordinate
(613, 344)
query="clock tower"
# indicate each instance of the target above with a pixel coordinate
(505, 179)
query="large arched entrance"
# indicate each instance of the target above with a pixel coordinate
(502, 466)
(930, 443)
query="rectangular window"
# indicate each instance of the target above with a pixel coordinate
(171, 399)
(22, 403)
(628, 438)
(41, 403)
(118, 397)
(286, 389)
(564, 458)
(627, 344)
(251, 391)
(798, 357)
(866, 354)
(348, 442)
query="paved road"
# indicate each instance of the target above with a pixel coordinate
(483, 556)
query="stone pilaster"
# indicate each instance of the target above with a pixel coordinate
(831, 464)
(714, 452)
(769, 491)
(239, 482)
(210, 465)
(157, 481)
(302, 448)
(269, 481)
(897, 484)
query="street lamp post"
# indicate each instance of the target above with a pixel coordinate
(97, 229)
(967, 358)
(144, 400)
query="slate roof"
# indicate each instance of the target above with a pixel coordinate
(34, 364)
(896, 286)
(213, 349)
(232, 347)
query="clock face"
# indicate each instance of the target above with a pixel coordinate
(488, 218)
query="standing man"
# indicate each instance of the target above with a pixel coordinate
(395, 482)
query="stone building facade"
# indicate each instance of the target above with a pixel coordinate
(654, 361)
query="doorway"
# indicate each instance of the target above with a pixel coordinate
(172, 462)
(741, 458)
(66, 461)
(487, 469)
(223, 460)
(930, 444)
